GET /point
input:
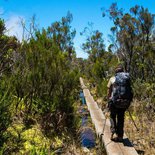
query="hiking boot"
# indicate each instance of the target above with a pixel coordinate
(118, 139)
(113, 136)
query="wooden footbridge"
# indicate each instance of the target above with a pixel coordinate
(102, 127)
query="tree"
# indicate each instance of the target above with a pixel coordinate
(7, 47)
(94, 44)
(133, 32)
(62, 34)
(45, 82)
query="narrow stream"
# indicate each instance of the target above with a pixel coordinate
(87, 134)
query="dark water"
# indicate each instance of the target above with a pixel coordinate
(87, 135)
(84, 121)
(82, 97)
(87, 138)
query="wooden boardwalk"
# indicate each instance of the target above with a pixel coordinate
(102, 127)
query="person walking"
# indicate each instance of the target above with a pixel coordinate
(119, 98)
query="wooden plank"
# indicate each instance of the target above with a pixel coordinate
(102, 127)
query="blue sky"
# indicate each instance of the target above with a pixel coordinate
(49, 11)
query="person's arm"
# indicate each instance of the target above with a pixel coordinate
(109, 92)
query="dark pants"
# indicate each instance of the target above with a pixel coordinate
(117, 120)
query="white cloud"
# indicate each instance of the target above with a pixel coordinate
(14, 27)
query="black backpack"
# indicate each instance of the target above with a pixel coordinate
(122, 91)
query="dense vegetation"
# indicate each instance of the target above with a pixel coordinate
(38, 82)
(39, 76)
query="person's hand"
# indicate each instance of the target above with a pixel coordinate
(110, 102)
(107, 114)
(110, 98)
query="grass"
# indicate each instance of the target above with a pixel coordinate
(144, 139)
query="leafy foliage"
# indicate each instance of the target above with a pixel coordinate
(133, 37)
(38, 81)
(7, 45)
(63, 35)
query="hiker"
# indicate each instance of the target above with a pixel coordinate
(119, 99)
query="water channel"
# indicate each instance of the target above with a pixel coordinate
(87, 134)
